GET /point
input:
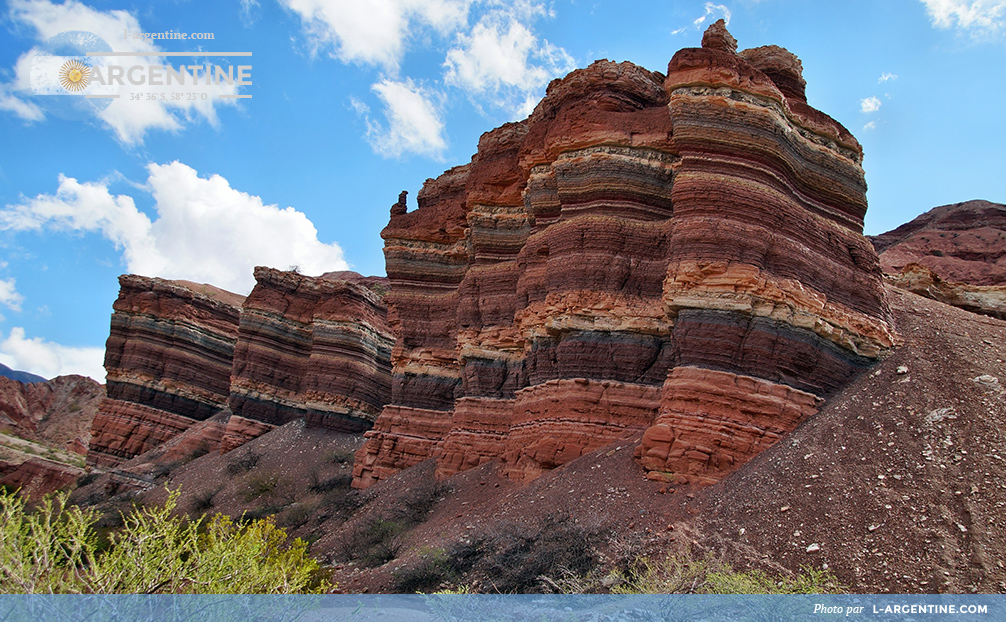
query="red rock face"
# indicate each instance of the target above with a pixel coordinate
(37, 477)
(963, 242)
(984, 299)
(308, 348)
(57, 412)
(168, 360)
(296, 347)
(680, 254)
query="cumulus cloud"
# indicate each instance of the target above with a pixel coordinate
(374, 32)
(869, 104)
(49, 359)
(128, 119)
(414, 123)
(205, 230)
(979, 18)
(498, 60)
(503, 59)
(9, 296)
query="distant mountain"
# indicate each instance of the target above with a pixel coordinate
(20, 376)
(963, 242)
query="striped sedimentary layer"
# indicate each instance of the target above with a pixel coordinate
(710, 422)
(308, 348)
(298, 347)
(678, 254)
(168, 362)
(775, 295)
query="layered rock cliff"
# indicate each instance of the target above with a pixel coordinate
(681, 255)
(316, 348)
(308, 348)
(988, 300)
(168, 360)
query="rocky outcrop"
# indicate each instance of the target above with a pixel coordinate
(37, 477)
(962, 242)
(680, 254)
(168, 360)
(985, 299)
(309, 348)
(179, 353)
(55, 412)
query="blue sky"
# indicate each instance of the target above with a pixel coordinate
(352, 102)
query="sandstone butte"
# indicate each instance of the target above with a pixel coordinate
(179, 353)
(679, 255)
(676, 254)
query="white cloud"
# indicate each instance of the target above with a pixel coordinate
(49, 359)
(20, 107)
(872, 125)
(374, 32)
(502, 58)
(886, 76)
(9, 296)
(869, 104)
(130, 120)
(205, 230)
(980, 18)
(711, 11)
(414, 124)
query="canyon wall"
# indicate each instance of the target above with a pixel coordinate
(168, 363)
(179, 353)
(308, 348)
(680, 255)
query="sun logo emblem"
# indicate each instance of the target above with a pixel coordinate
(74, 75)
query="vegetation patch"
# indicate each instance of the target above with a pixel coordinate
(379, 539)
(243, 463)
(55, 549)
(259, 486)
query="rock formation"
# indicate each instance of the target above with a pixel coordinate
(679, 254)
(168, 360)
(37, 477)
(55, 412)
(308, 348)
(962, 242)
(985, 299)
(297, 347)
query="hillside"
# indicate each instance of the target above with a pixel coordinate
(963, 242)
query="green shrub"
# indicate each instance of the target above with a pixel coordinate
(341, 457)
(87, 478)
(55, 549)
(316, 485)
(243, 464)
(683, 574)
(259, 486)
